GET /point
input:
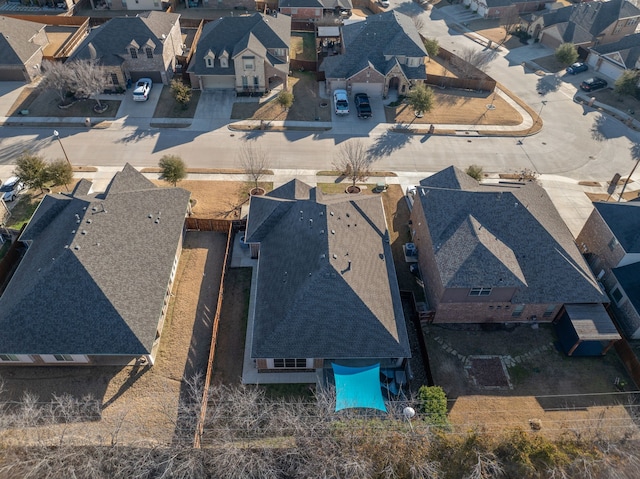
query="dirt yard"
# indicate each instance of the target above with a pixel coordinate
(562, 392)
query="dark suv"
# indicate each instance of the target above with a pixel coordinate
(593, 84)
(362, 105)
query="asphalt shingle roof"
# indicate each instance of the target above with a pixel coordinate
(628, 47)
(109, 42)
(326, 284)
(324, 4)
(506, 235)
(387, 35)
(623, 219)
(232, 35)
(629, 279)
(94, 279)
(16, 40)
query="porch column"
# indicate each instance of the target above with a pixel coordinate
(574, 347)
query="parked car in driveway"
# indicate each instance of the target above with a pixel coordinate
(576, 68)
(593, 84)
(341, 102)
(11, 188)
(363, 107)
(142, 89)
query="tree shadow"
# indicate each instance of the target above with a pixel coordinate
(388, 143)
(8, 153)
(548, 84)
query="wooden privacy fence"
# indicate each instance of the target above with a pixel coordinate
(194, 223)
(629, 359)
(233, 226)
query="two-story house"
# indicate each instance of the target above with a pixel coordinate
(135, 47)
(248, 54)
(613, 59)
(312, 10)
(383, 53)
(22, 47)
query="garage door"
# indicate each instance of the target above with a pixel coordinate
(218, 82)
(371, 89)
(609, 70)
(155, 76)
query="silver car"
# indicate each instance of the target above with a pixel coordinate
(11, 188)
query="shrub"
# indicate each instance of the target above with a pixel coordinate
(475, 172)
(433, 403)
(181, 92)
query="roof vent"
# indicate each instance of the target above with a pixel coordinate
(77, 218)
(335, 256)
(84, 232)
(331, 213)
(76, 247)
(150, 216)
(348, 215)
(89, 221)
(322, 213)
(157, 221)
(333, 232)
(321, 232)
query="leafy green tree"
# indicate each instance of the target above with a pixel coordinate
(475, 172)
(432, 46)
(32, 170)
(433, 403)
(567, 53)
(420, 98)
(181, 92)
(627, 83)
(59, 172)
(173, 169)
(285, 99)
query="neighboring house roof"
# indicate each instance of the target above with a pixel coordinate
(629, 279)
(16, 40)
(324, 4)
(326, 285)
(233, 35)
(498, 3)
(623, 220)
(625, 52)
(378, 42)
(94, 278)
(450, 177)
(109, 42)
(501, 235)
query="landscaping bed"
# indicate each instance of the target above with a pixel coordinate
(45, 104)
(168, 107)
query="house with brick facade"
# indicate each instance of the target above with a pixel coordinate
(382, 53)
(613, 59)
(22, 49)
(144, 46)
(496, 252)
(94, 284)
(249, 54)
(610, 241)
(326, 289)
(313, 10)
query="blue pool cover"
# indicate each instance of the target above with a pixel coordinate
(358, 387)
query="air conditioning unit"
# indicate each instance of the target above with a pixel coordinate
(411, 249)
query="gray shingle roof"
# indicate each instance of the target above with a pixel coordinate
(623, 219)
(324, 4)
(451, 177)
(499, 235)
(390, 34)
(629, 279)
(628, 47)
(295, 190)
(109, 42)
(326, 285)
(16, 40)
(94, 279)
(233, 34)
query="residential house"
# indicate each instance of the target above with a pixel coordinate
(137, 5)
(247, 53)
(326, 289)
(496, 252)
(22, 44)
(135, 47)
(612, 59)
(585, 24)
(313, 10)
(382, 53)
(505, 8)
(94, 284)
(610, 240)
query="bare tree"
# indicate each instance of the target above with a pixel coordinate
(354, 161)
(90, 79)
(254, 162)
(57, 77)
(471, 60)
(510, 21)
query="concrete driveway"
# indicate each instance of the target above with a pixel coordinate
(214, 109)
(140, 109)
(352, 125)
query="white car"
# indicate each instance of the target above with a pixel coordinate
(341, 102)
(142, 89)
(11, 188)
(384, 3)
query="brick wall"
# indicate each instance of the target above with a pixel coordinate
(594, 239)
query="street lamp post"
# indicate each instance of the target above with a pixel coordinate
(57, 135)
(543, 103)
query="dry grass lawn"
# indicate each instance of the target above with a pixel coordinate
(45, 104)
(626, 104)
(168, 107)
(302, 46)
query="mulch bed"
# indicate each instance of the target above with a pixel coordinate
(488, 372)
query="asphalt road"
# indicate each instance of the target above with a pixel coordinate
(576, 141)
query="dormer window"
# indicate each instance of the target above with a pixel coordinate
(149, 52)
(133, 52)
(224, 62)
(209, 62)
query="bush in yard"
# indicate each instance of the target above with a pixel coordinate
(627, 83)
(475, 172)
(433, 403)
(173, 169)
(32, 170)
(432, 46)
(420, 98)
(181, 92)
(567, 53)
(59, 172)
(285, 99)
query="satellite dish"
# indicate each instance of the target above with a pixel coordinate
(409, 412)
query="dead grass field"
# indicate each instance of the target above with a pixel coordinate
(626, 104)
(45, 104)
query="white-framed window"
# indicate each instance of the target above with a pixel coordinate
(209, 62)
(290, 363)
(224, 62)
(618, 28)
(9, 357)
(256, 82)
(248, 63)
(517, 311)
(245, 82)
(63, 357)
(149, 52)
(480, 292)
(133, 52)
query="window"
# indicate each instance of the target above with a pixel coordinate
(549, 311)
(613, 243)
(632, 21)
(149, 52)
(224, 62)
(616, 294)
(134, 52)
(245, 82)
(247, 63)
(290, 363)
(480, 292)
(256, 82)
(209, 62)
(114, 79)
(63, 357)
(618, 28)
(294, 11)
(517, 311)
(8, 357)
